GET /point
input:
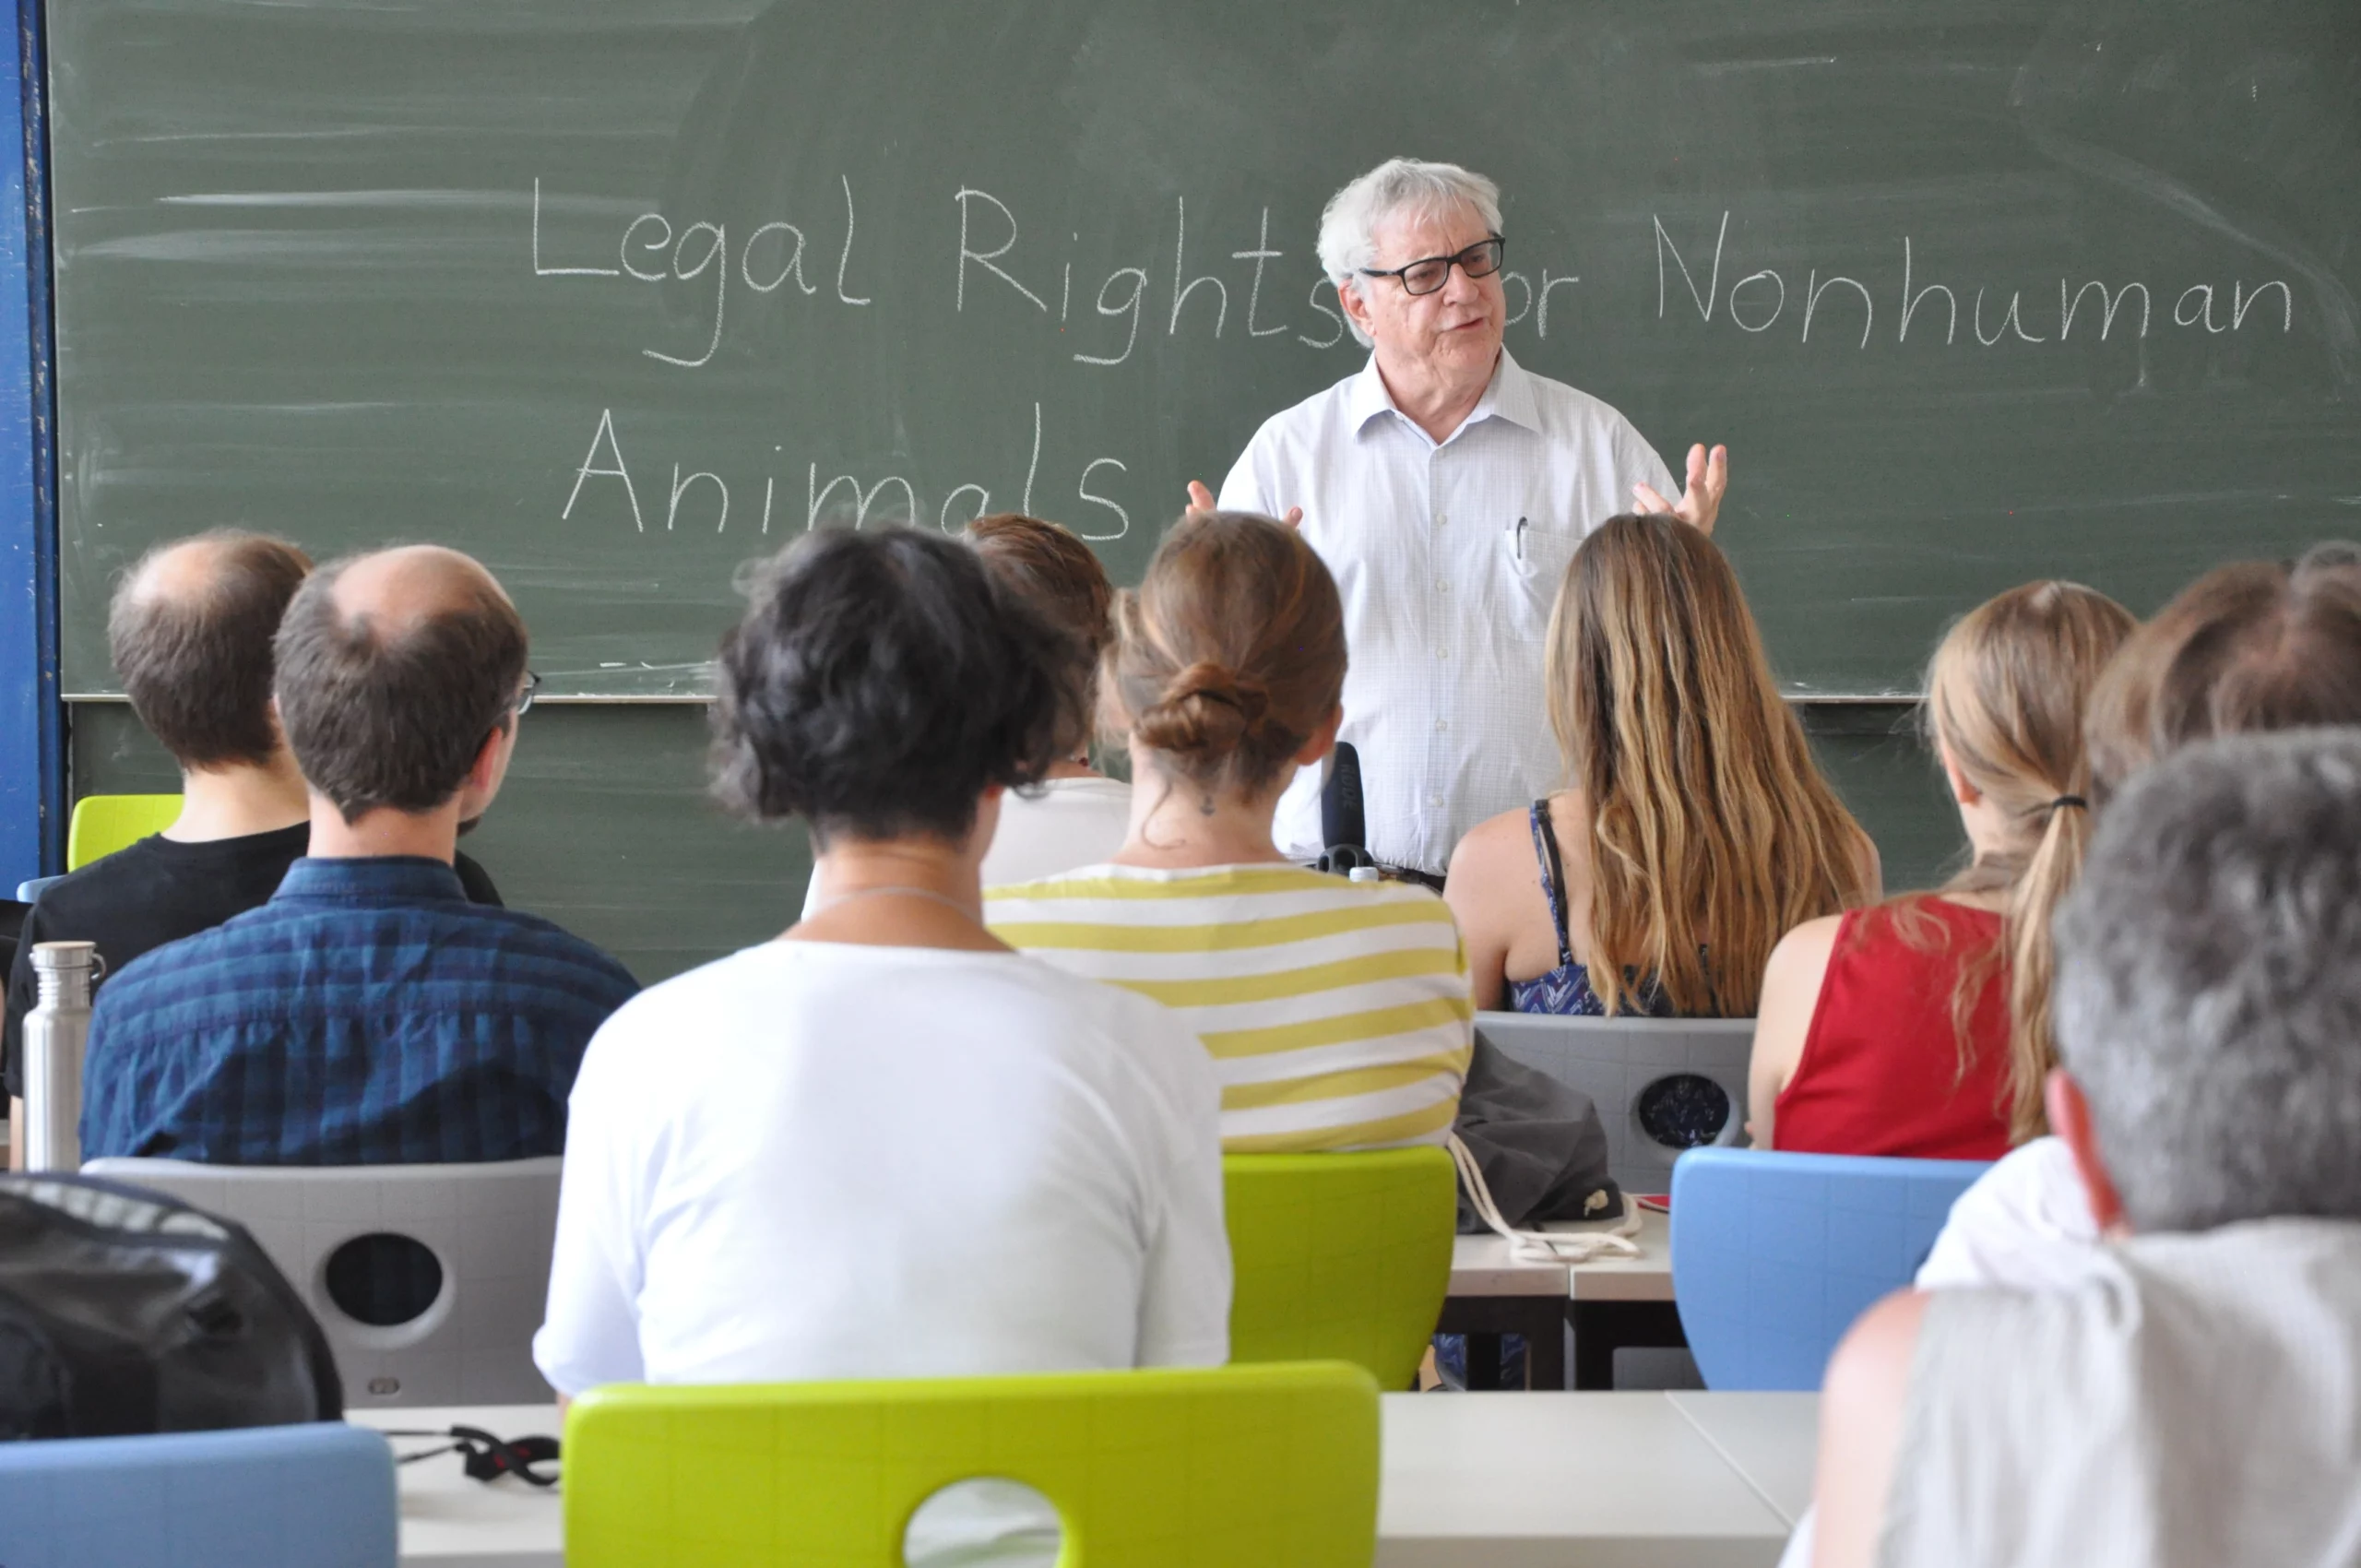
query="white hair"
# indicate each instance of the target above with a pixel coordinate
(1399, 187)
(2209, 983)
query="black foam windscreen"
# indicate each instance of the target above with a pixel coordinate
(1341, 819)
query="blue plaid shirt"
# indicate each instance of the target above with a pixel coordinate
(367, 1015)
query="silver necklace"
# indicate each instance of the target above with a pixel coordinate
(949, 903)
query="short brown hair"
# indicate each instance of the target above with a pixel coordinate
(395, 721)
(1062, 579)
(197, 666)
(1230, 653)
(2248, 646)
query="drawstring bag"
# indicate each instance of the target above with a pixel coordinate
(125, 1312)
(1530, 1151)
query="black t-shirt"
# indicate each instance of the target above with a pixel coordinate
(156, 891)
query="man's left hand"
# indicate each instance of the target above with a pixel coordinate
(1701, 502)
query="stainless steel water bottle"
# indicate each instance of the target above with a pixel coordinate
(55, 1032)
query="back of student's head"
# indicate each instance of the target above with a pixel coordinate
(2250, 647)
(2209, 983)
(879, 682)
(1712, 831)
(1058, 575)
(2005, 697)
(394, 669)
(1230, 655)
(190, 630)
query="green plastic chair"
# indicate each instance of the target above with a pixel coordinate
(103, 823)
(1269, 1466)
(1339, 1256)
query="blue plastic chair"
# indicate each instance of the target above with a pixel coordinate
(319, 1495)
(1774, 1255)
(29, 889)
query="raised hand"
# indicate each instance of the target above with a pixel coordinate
(1700, 501)
(1202, 500)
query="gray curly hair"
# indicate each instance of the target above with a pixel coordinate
(2209, 983)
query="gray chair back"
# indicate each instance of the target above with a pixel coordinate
(489, 1227)
(1661, 1085)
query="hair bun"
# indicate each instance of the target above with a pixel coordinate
(1206, 707)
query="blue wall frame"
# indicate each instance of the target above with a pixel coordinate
(33, 773)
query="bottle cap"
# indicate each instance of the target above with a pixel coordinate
(1365, 873)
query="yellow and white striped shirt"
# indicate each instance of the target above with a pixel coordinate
(1336, 1013)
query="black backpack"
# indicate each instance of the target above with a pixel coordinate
(125, 1312)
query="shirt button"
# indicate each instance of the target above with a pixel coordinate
(1442, 653)
(1441, 725)
(1441, 520)
(1434, 800)
(1442, 585)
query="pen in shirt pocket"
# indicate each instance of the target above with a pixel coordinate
(1518, 540)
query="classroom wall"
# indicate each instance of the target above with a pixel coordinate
(603, 825)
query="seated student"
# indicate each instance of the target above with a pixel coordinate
(1336, 1012)
(190, 632)
(2247, 648)
(1074, 816)
(1921, 1027)
(2190, 1403)
(368, 1013)
(883, 1144)
(1699, 828)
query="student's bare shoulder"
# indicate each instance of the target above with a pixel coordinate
(1808, 946)
(1492, 842)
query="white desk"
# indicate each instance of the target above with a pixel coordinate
(1620, 1301)
(1619, 1481)
(1480, 1266)
(1524, 1480)
(449, 1521)
(1770, 1439)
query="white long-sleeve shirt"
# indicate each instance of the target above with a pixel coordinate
(1448, 556)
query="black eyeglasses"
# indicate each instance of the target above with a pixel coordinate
(525, 698)
(1430, 273)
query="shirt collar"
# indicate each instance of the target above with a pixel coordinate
(374, 879)
(1509, 396)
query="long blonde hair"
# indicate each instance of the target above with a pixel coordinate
(2006, 695)
(1712, 831)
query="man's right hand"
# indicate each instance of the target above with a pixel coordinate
(1202, 500)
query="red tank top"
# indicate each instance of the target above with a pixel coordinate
(1881, 1067)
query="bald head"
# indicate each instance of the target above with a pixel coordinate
(393, 670)
(398, 590)
(191, 634)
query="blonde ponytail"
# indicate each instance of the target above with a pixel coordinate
(2007, 694)
(2033, 961)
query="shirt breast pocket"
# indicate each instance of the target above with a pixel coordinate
(1530, 565)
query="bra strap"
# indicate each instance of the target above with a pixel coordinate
(1553, 877)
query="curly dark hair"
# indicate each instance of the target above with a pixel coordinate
(879, 682)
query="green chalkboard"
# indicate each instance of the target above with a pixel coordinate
(1974, 291)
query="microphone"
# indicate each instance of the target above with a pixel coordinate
(1343, 824)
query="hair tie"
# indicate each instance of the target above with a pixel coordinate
(2069, 801)
(1250, 702)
